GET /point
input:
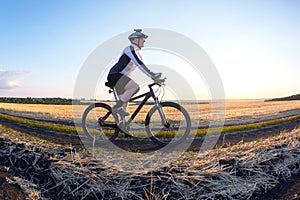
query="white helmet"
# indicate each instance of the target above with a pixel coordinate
(137, 34)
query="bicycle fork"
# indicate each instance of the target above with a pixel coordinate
(162, 114)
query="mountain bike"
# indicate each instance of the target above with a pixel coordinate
(165, 123)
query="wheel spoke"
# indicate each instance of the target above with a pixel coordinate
(177, 127)
(98, 123)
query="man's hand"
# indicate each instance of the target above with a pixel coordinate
(155, 75)
(160, 81)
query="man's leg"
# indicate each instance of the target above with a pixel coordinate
(126, 88)
(130, 88)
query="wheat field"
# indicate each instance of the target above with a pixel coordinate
(242, 110)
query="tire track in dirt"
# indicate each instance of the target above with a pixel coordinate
(146, 145)
(229, 122)
(52, 136)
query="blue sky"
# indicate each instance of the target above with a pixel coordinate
(255, 45)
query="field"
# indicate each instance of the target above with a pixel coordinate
(246, 110)
(35, 168)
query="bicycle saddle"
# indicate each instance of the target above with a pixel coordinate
(107, 84)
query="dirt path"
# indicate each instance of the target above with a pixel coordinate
(55, 137)
(229, 122)
(146, 145)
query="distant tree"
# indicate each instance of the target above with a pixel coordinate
(30, 100)
(289, 98)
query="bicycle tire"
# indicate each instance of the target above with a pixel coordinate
(91, 126)
(175, 115)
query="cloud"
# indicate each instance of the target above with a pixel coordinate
(10, 79)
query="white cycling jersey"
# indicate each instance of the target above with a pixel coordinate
(129, 60)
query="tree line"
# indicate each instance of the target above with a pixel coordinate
(289, 98)
(30, 100)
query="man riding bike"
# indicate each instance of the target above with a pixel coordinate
(118, 76)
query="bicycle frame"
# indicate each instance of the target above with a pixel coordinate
(147, 96)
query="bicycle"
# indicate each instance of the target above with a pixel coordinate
(165, 123)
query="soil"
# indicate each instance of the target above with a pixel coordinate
(288, 189)
(9, 190)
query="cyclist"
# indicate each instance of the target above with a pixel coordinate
(118, 76)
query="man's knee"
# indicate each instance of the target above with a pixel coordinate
(136, 89)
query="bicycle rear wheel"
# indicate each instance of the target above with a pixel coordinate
(98, 123)
(174, 129)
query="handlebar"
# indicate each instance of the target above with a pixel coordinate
(159, 82)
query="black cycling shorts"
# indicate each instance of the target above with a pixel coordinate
(118, 81)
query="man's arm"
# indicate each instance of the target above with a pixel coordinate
(137, 61)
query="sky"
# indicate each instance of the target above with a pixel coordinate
(254, 44)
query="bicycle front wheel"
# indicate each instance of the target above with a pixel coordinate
(98, 123)
(168, 123)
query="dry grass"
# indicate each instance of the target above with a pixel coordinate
(237, 172)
